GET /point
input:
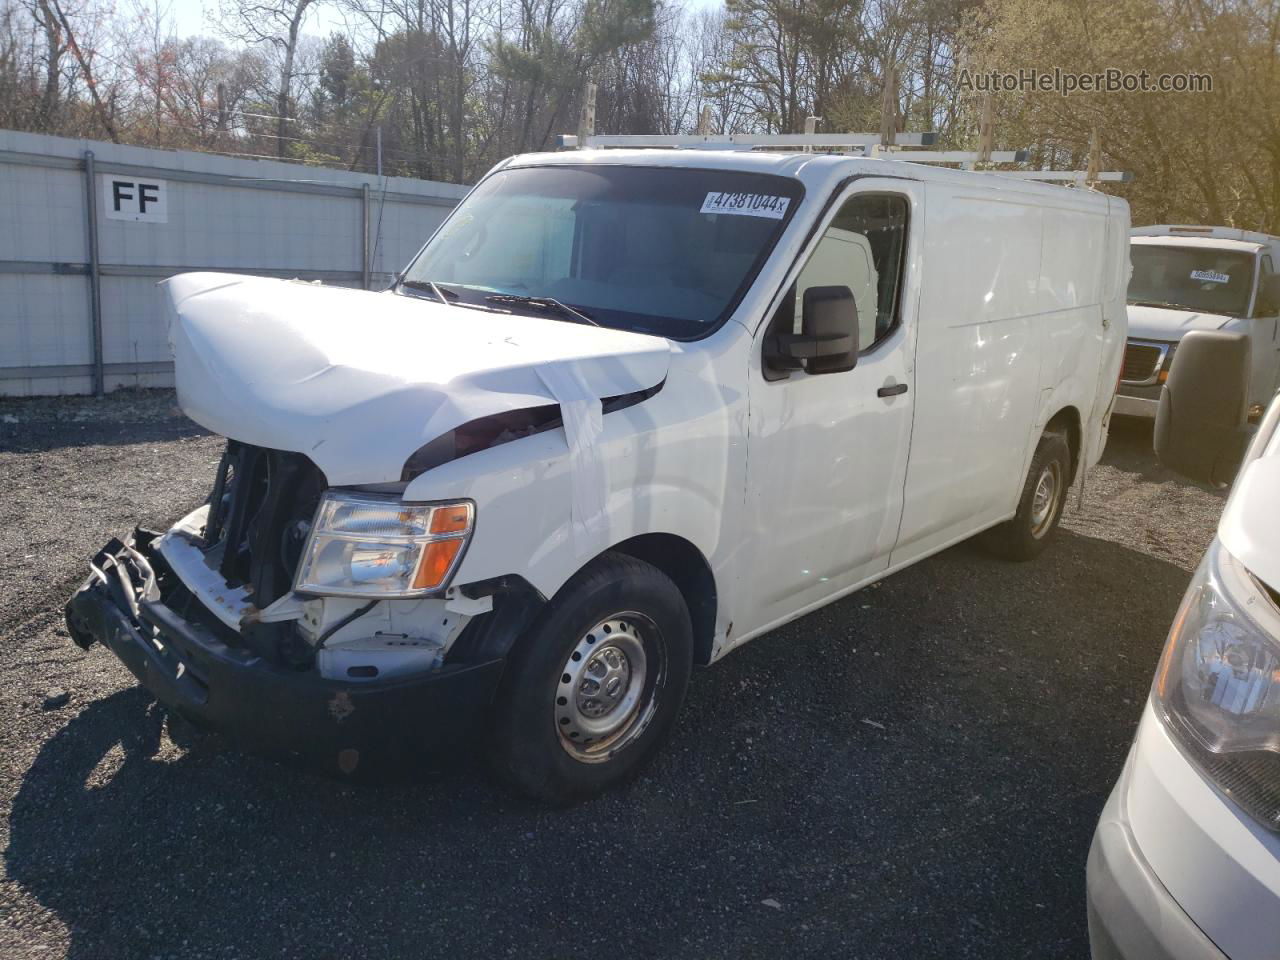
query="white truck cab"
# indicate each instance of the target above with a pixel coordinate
(1185, 862)
(1199, 278)
(625, 411)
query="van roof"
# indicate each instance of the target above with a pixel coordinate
(818, 171)
(1202, 243)
(1187, 230)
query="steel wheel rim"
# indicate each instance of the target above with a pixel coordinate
(607, 690)
(1044, 502)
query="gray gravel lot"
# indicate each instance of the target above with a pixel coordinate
(913, 771)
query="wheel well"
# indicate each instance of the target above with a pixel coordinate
(688, 569)
(1067, 421)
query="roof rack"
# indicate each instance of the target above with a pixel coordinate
(746, 141)
(848, 144)
(889, 142)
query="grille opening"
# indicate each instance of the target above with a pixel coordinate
(260, 513)
(1141, 362)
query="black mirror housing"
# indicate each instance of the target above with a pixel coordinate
(828, 341)
(1201, 427)
(831, 315)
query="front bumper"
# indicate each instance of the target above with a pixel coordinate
(1135, 401)
(338, 727)
(1131, 915)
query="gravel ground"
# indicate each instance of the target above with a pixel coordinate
(913, 771)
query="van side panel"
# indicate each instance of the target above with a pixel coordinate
(977, 365)
(1115, 287)
(1069, 314)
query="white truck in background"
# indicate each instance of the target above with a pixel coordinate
(624, 412)
(1199, 278)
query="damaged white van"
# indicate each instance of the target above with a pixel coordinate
(625, 411)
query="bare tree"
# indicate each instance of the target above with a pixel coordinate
(278, 24)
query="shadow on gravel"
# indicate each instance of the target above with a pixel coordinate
(914, 771)
(41, 437)
(1130, 448)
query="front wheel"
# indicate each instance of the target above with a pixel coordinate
(1040, 507)
(594, 688)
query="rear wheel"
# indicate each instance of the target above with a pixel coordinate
(594, 688)
(1040, 508)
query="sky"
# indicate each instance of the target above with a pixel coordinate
(190, 16)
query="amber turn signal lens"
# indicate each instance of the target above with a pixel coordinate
(437, 558)
(453, 519)
(1164, 375)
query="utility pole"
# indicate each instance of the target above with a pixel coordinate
(222, 108)
(986, 128)
(704, 121)
(889, 107)
(378, 133)
(587, 123)
(1095, 157)
(810, 128)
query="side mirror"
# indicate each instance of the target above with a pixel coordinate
(1268, 302)
(828, 341)
(1200, 424)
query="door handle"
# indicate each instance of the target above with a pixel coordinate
(893, 390)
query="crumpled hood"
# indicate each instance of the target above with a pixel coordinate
(1161, 323)
(358, 381)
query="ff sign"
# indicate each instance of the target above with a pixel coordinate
(126, 197)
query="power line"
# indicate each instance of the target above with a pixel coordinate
(353, 146)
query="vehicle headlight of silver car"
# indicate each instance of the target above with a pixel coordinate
(1218, 686)
(366, 545)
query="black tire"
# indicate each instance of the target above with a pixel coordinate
(617, 603)
(1026, 535)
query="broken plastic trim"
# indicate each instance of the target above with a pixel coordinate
(500, 428)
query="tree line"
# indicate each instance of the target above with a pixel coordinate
(442, 89)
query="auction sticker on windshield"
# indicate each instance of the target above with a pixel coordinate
(746, 205)
(1210, 276)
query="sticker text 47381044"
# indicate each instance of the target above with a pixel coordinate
(746, 205)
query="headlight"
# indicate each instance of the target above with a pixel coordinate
(362, 545)
(1218, 686)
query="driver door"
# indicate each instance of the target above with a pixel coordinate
(827, 452)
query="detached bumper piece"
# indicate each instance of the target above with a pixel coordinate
(335, 726)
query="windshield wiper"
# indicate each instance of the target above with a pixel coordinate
(1161, 303)
(543, 303)
(430, 286)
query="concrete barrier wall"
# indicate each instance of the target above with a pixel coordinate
(160, 212)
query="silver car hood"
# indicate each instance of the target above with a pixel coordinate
(1161, 323)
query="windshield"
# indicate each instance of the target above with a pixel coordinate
(654, 250)
(1191, 278)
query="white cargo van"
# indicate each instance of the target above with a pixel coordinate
(1185, 863)
(1199, 278)
(624, 412)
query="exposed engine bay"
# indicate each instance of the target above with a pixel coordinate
(231, 566)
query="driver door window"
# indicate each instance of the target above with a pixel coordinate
(862, 249)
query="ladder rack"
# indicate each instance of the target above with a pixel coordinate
(849, 144)
(747, 141)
